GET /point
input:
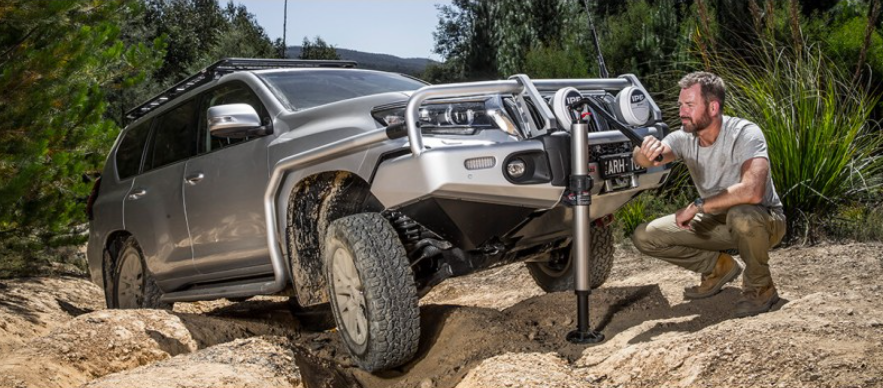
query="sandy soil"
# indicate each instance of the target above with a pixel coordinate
(493, 329)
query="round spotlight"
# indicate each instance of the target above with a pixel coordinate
(516, 168)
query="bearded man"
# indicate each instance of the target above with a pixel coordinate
(737, 208)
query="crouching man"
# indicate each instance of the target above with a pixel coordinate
(737, 208)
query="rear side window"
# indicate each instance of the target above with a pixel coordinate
(128, 157)
(174, 138)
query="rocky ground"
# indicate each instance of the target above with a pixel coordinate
(494, 329)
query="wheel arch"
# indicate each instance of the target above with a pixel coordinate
(112, 246)
(311, 204)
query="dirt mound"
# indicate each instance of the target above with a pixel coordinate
(498, 288)
(109, 341)
(798, 345)
(31, 307)
(509, 370)
(487, 330)
(260, 362)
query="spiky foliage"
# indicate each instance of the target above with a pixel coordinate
(822, 141)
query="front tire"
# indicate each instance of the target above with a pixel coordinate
(372, 291)
(557, 274)
(132, 284)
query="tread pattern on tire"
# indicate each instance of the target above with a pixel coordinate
(602, 264)
(152, 293)
(390, 293)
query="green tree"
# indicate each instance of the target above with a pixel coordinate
(555, 62)
(239, 36)
(486, 39)
(464, 37)
(318, 50)
(57, 58)
(191, 29)
(198, 33)
(842, 32)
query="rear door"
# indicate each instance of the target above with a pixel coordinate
(153, 209)
(224, 190)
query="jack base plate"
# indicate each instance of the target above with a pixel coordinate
(584, 337)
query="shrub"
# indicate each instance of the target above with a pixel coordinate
(822, 142)
(856, 222)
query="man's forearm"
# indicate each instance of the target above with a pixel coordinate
(738, 194)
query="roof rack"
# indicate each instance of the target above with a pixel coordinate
(226, 66)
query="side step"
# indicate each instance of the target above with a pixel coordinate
(237, 289)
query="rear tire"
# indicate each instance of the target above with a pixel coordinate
(132, 285)
(557, 275)
(372, 291)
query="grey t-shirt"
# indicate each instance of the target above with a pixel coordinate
(718, 166)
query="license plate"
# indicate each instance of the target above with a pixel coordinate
(618, 165)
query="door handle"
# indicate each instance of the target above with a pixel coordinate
(137, 194)
(195, 178)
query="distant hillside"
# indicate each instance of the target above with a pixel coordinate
(385, 62)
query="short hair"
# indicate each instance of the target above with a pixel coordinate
(712, 86)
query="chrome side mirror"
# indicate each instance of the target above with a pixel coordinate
(236, 121)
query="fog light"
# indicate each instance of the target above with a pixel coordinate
(516, 168)
(481, 163)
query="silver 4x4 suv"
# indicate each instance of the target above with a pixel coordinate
(356, 190)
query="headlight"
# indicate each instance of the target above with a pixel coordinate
(461, 117)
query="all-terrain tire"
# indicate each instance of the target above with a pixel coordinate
(132, 284)
(372, 291)
(556, 276)
(312, 318)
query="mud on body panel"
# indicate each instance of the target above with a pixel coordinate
(315, 202)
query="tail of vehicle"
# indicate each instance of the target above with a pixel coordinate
(90, 203)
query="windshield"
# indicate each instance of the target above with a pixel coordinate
(308, 88)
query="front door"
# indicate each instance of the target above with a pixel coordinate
(224, 192)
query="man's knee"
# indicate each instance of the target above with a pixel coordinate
(744, 219)
(641, 238)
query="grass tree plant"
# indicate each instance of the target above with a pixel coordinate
(824, 145)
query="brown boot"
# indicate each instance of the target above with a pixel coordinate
(725, 270)
(754, 302)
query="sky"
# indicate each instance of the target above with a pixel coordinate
(398, 27)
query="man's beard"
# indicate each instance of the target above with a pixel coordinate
(699, 125)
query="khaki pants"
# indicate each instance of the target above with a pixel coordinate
(752, 229)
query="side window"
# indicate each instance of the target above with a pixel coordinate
(231, 93)
(131, 149)
(174, 138)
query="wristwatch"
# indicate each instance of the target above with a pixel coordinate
(700, 204)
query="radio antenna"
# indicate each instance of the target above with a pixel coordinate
(602, 67)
